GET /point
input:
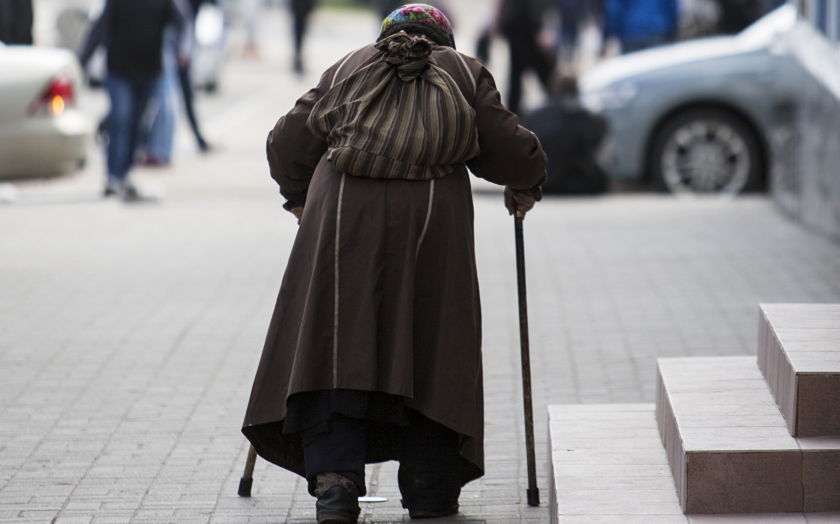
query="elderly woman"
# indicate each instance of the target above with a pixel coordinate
(374, 349)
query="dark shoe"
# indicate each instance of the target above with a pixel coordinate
(338, 499)
(113, 187)
(130, 193)
(433, 513)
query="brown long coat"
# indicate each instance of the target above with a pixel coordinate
(395, 308)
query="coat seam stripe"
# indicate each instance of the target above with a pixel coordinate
(335, 319)
(335, 76)
(428, 216)
(472, 78)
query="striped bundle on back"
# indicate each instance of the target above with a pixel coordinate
(399, 115)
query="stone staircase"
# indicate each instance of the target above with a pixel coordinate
(730, 439)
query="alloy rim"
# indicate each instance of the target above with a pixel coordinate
(706, 156)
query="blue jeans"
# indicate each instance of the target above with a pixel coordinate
(162, 131)
(129, 97)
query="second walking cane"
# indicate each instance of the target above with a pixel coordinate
(533, 491)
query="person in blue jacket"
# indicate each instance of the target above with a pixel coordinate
(638, 24)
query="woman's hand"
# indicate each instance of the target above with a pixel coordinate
(297, 212)
(518, 201)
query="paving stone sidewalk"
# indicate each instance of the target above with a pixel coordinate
(130, 334)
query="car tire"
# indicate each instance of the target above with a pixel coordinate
(706, 151)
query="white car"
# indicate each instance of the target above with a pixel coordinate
(42, 133)
(707, 116)
(209, 51)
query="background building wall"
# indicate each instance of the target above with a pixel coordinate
(805, 173)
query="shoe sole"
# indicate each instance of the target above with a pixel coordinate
(422, 514)
(329, 517)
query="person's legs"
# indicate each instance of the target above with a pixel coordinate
(341, 451)
(128, 100)
(119, 130)
(143, 89)
(518, 63)
(162, 132)
(187, 91)
(300, 12)
(539, 61)
(430, 467)
(335, 469)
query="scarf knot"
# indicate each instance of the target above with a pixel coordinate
(410, 55)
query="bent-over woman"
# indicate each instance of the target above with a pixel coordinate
(374, 348)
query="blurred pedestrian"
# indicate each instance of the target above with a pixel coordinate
(374, 349)
(521, 23)
(184, 67)
(155, 143)
(16, 17)
(157, 127)
(132, 33)
(573, 14)
(638, 24)
(489, 23)
(300, 13)
(571, 136)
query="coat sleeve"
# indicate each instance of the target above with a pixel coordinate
(293, 151)
(100, 34)
(509, 154)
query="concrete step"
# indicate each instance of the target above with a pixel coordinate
(729, 447)
(799, 354)
(608, 466)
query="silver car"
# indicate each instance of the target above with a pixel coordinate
(697, 116)
(42, 133)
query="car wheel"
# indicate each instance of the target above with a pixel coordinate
(708, 151)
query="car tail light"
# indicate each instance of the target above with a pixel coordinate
(56, 97)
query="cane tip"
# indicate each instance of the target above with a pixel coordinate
(245, 486)
(533, 496)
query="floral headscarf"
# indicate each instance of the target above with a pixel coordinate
(420, 14)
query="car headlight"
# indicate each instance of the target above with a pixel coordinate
(614, 96)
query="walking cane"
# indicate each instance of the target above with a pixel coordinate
(533, 491)
(247, 479)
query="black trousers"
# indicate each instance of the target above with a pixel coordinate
(430, 470)
(300, 13)
(187, 91)
(525, 55)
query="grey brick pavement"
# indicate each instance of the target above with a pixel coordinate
(129, 335)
